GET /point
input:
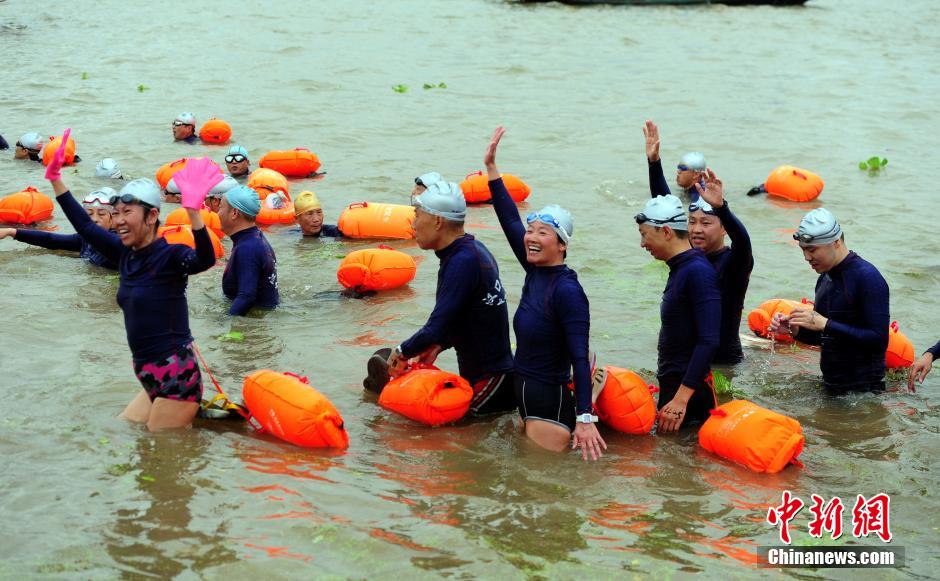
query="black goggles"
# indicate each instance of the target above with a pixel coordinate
(695, 207)
(128, 199)
(642, 218)
(807, 238)
(21, 146)
(180, 124)
(235, 158)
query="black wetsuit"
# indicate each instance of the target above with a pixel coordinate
(3, 143)
(935, 351)
(854, 297)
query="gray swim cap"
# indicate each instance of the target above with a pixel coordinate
(818, 227)
(694, 160)
(145, 190)
(558, 218)
(108, 168)
(444, 199)
(664, 211)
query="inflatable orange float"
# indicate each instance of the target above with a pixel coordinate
(49, 149)
(794, 184)
(900, 353)
(179, 217)
(625, 402)
(295, 163)
(375, 220)
(476, 188)
(25, 207)
(292, 410)
(181, 234)
(376, 269)
(748, 434)
(215, 131)
(167, 170)
(759, 319)
(267, 181)
(428, 395)
(279, 212)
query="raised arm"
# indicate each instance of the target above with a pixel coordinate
(742, 255)
(50, 240)
(658, 184)
(506, 210)
(194, 181)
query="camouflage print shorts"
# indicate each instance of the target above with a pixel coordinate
(175, 376)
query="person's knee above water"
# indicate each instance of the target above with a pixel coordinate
(309, 214)
(237, 162)
(98, 206)
(214, 197)
(851, 318)
(423, 181)
(690, 315)
(108, 168)
(29, 147)
(689, 171)
(470, 311)
(184, 128)
(250, 277)
(710, 219)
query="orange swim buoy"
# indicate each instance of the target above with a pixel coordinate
(428, 395)
(476, 188)
(375, 269)
(794, 184)
(376, 220)
(25, 207)
(759, 319)
(900, 353)
(49, 149)
(295, 163)
(283, 215)
(748, 434)
(215, 131)
(181, 234)
(292, 410)
(625, 402)
(166, 171)
(267, 181)
(179, 217)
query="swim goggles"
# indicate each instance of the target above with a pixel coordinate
(97, 199)
(180, 124)
(21, 146)
(642, 218)
(683, 167)
(235, 158)
(547, 218)
(696, 206)
(807, 238)
(129, 199)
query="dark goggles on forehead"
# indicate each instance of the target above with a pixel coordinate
(695, 207)
(128, 199)
(235, 158)
(180, 124)
(807, 238)
(683, 167)
(21, 146)
(642, 218)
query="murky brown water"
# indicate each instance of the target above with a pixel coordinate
(85, 495)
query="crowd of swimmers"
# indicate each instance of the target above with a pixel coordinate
(701, 309)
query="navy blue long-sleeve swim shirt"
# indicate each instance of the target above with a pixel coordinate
(152, 291)
(70, 242)
(470, 313)
(935, 350)
(854, 297)
(552, 323)
(326, 231)
(690, 314)
(250, 277)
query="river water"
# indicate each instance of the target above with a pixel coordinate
(86, 495)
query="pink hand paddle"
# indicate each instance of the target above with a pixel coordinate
(54, 169)
(195, 180)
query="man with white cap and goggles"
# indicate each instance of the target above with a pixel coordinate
(97, 205)
(850, 318)
(29, 146)
(423, 181)
(470, 313)
(250, 277)
(309, 214)
(237, 162)
(690, 315)
(690, 171)
(184, 128)
(108, 168)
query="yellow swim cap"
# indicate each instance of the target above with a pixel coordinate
(306, 201)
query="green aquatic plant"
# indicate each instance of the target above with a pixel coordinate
(724, 387)
(874, 164)
(400, 88)
(142, 88)
(433, 86)
(234, 336)
(84, 76)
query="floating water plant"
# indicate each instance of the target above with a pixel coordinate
(400, 88)
(141, 88)
(84, 76)
(433, 86)
(874, 164)
(723, 386)
(234, 336)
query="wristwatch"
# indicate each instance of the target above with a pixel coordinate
(586, 418)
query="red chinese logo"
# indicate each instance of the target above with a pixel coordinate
(871, 517)
(783, 514)
(826, 518)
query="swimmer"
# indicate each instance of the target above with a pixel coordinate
(250, 277)
(423, 181)
(922, 366)
(214, 198)
(470, 312)
(689, 171)
(551, 325)
(152, 291)
(850, 318)
(3, 143)
(184, 128)
(309, 215)
(690, 315)
(236, 160)
(98, 207)
(29, 147)
(108, 168)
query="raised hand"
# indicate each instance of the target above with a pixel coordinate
(713, 192)
(195, 180)
(54, 169)
(651, 133)
(489, 158)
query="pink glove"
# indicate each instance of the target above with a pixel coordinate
(54, 169)
(195, 180)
